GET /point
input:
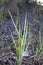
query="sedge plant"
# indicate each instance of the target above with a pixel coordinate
(39, 50)
(39, 53)
(21, 40)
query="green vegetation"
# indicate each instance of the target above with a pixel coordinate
(37, 8)
(3, 1)
(17, 22)
(18, 1)
(21, 41)
(1, 16)
(39, 53)
(0, 45)
(3, 10)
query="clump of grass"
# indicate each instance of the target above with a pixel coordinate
(21, 40)
(39, 51)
